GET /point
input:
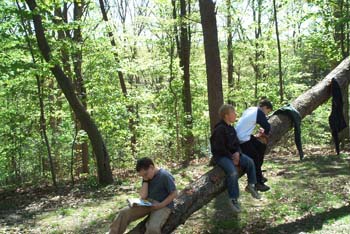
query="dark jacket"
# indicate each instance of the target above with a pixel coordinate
(224, 141)
(294, 115)
(336, 119)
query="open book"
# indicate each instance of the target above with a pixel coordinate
(138, 202)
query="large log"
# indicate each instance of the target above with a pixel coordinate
(307, 102)
(202, 191)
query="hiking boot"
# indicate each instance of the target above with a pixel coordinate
(235, 206)
(262, 187)
(251, 189)
(263, 179)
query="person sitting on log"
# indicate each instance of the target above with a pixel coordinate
(158, 187)
(226, 153)
(249, 143)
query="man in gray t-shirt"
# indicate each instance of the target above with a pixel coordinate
(158, 187)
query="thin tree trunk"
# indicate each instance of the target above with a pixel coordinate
(88, 124)
(185, 65)
(83, 153)
(212, 59)
(41, 102)
(279, 52)
(174, 41)
(212, 183)
(121, 79)
(347, 30)
(229, 47)
(72, 153)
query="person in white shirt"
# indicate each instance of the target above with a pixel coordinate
(249, 144)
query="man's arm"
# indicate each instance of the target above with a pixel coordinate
(263, 122)
(166, 201)
(144, 190)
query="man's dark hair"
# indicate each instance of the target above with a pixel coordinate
(267, 103)
(143, 164)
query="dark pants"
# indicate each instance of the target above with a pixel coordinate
(255, 150)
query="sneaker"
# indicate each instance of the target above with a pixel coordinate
(235, 206)
(251, 189)
(262, 187)
(263, 179)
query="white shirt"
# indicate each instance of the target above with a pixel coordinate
(246, 124)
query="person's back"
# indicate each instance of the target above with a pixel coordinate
(246, 124)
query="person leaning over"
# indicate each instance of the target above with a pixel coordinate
(226, 153)
(250, 145)
(158, 186)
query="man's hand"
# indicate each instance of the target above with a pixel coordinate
(235, 158)
(156, 206)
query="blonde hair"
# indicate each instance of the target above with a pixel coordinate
(225, 110)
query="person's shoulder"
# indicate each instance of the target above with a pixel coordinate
(165, 173)
(220, 127)
(253, 109)
(249, 111)
(261, 114)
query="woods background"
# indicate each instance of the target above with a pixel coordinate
(138, 70)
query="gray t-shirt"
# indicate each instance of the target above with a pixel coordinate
(161, 185)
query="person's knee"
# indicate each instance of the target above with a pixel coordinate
(248, 162)
(233, 174)
(153, 229)
(124, 213)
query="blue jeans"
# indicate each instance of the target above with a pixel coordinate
(246, 164)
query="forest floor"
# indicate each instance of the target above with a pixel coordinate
(309, 196)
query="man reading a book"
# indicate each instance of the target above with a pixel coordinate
(157, 187)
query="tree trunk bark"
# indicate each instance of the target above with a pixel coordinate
(230, 80)
(175, 41)
(212, 59)
(185, 49)
(41, 102)
(83, 153)
(203, 190)
(309, 101)
(279, 52)
(88, 124)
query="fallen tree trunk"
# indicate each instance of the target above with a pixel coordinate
(307, 102)
(202, 191)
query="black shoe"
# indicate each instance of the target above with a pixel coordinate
(262, 187)
(235, 206)
(263, 180)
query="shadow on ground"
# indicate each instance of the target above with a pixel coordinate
(309, 223)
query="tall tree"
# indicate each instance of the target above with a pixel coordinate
(184, 54)
(131, 109)
(259, 53)
(279, 51)
(88, 124)
(77, 56)
(27, 30)
(174, 41)
(212, 59)
(230, 80)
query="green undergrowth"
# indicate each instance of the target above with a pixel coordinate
(309, 196)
